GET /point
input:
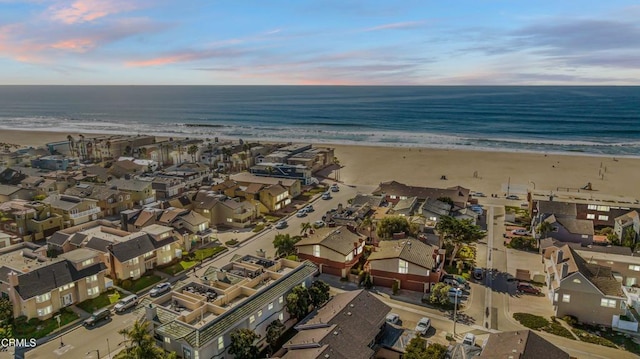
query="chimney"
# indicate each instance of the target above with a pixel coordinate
(150, 312)
(559, 256)
(565, 270)
(13, 279)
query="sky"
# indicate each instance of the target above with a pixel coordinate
(330, 42)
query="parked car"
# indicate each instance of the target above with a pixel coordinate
(281, 225)
(301, 213)
(469, 339)
(335, 188)
(97, 316)
(455, 292)
(309, 208)
(478, 273)
(160, 289)
(423, 325)
(528, 288)
(393, 318)
(126, 303)
(513, 197)
(326, 195)
(318, 224)
(478, 194)
(521, 232)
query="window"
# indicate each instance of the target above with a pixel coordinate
(603, 218)
(592, 207)
(280, 300)
(87, 262)
(134, 261)
(585, 236)
(303, 285)
(229, 220)
(403, 266)
(591, 216)
(148, 254)
(316, 250)
(92, 278)
(134, 273)
(393, 196)
(259, 313)
(167, 340)
(577, 281)
(44, 311)
(432, 218)
(604, 208)
(270, 306)
(93, 291)
(66, 286)
(220, 343)
(566, 298)
(281, 316)
(205, 211)
(167, 247)
(252, 319)
(555, 297)
(43, 298)
(609, 303)
(634, 268)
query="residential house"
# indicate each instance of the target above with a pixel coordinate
(466, 214)
(405, 207)
(394, 341)
(395, 191)
(433, 209)
(40, 293)
(12, 177)
(8, 193)
(333, 250)
(141, 191)
(167, 187)
(136, 219)
(414, 265)
(314, 159)
(110, 201)
(196, 319)
(29, 220)
(228, 188)
(125, 169)
(52, 163)
(275, 197)
(281, 170)
(223, 211)
(246, 179)
(628, 220)
(74, 210)
(572, 230)
(523, 344)
(348, 326)
(573, 280)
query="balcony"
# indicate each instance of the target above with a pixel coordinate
(85, 213)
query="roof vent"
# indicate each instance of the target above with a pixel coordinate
(351, 305)
(348, 313)
(335, 333)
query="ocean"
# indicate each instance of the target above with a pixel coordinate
(589, 120)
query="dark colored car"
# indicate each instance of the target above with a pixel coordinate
(96, 317)
(528, 288)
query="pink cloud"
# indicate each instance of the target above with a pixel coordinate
(89, 10)
(75, 45)
(158, 61)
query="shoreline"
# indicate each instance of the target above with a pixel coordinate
(482, 171)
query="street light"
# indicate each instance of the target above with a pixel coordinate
(455, 312)
(58, 319)
(94, 350)
(108, 349)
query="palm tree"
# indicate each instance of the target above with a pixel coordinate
(71, 144)
(367, 224)
(192, 150)
(210, 151)
(304, 227)
(142, 345)
(83, 149)
(544, 228)
(108, 144)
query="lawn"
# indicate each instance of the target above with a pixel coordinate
(144, 282)
(591, 338)
(178, 267)
(105, 299)
(193, 259)
(35, 328)
(270, 218)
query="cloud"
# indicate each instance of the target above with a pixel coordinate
(89, 10)
(188, 56)
(407, 25)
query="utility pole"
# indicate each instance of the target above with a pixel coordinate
(455, 313)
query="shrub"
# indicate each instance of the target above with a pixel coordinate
(531, 321)
(258, 228)
(570, 319)
(395, 287)
(232, 242)
(126, 284)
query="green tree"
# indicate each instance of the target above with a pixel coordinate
(141, 343)
(6, 311)
(274, 331)
(298, 302)
(284, 244)
(440, 294)
(305, 227)
(418, 349)
(390, 225)
(192, 150)
(458, 232)
(628, 237)
(319, 293)
(436, 351)
(367, 224)
(544, 228)
(243, 344)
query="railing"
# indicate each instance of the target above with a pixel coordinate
(85, 213)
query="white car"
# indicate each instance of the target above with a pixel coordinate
(301, 213)
(393, 318)
(318, 224)
(160, 289)
(335, 188)
(281, 225)
(469, 339)
(309, 208)
(326, 195)
(520, 232)
(423, 325)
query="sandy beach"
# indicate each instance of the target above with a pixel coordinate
(487, 172)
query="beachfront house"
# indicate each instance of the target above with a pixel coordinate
(282, 170)
(334, 250)
(411, 263)
(348, 326)
(394, 191)
(627, 225)
(40, 293)
(52, 163)
(432, 209)
(587, 291)
(572, 230)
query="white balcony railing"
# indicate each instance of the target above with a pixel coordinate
(85, 213)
